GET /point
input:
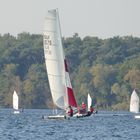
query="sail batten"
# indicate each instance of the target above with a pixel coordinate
(58, 76)
(54, 75)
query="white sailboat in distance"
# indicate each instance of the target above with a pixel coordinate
(89, 101)
(56, 65)
(16, 103)
(134, 102)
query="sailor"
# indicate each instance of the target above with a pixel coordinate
(69, 111)
(78, 110)
(90, 111)
(83, 107)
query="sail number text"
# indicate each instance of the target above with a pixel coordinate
(47, 43)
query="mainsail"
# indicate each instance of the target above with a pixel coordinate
(15, 101)
(134, 102)
(89, 101)
(57, 70)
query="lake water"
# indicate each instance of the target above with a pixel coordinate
(102, 126)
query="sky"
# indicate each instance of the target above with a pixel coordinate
(100, 18)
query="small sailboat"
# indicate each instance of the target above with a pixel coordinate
(134, 102)
(16, 103)
(56, 65)
(89, 101)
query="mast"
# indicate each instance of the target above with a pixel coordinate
(69, 97)
(63, 57)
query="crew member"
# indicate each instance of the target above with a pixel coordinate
(90, 111)
(83, 107)
(70, 111)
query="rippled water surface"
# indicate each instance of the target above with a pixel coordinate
(102, 126)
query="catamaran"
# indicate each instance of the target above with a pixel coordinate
(15, 103)
(56, 65)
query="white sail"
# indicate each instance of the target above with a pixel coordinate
(134, 102)
(89, 101)
(55, 60)
(15, 101)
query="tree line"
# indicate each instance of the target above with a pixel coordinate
(108, 69)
